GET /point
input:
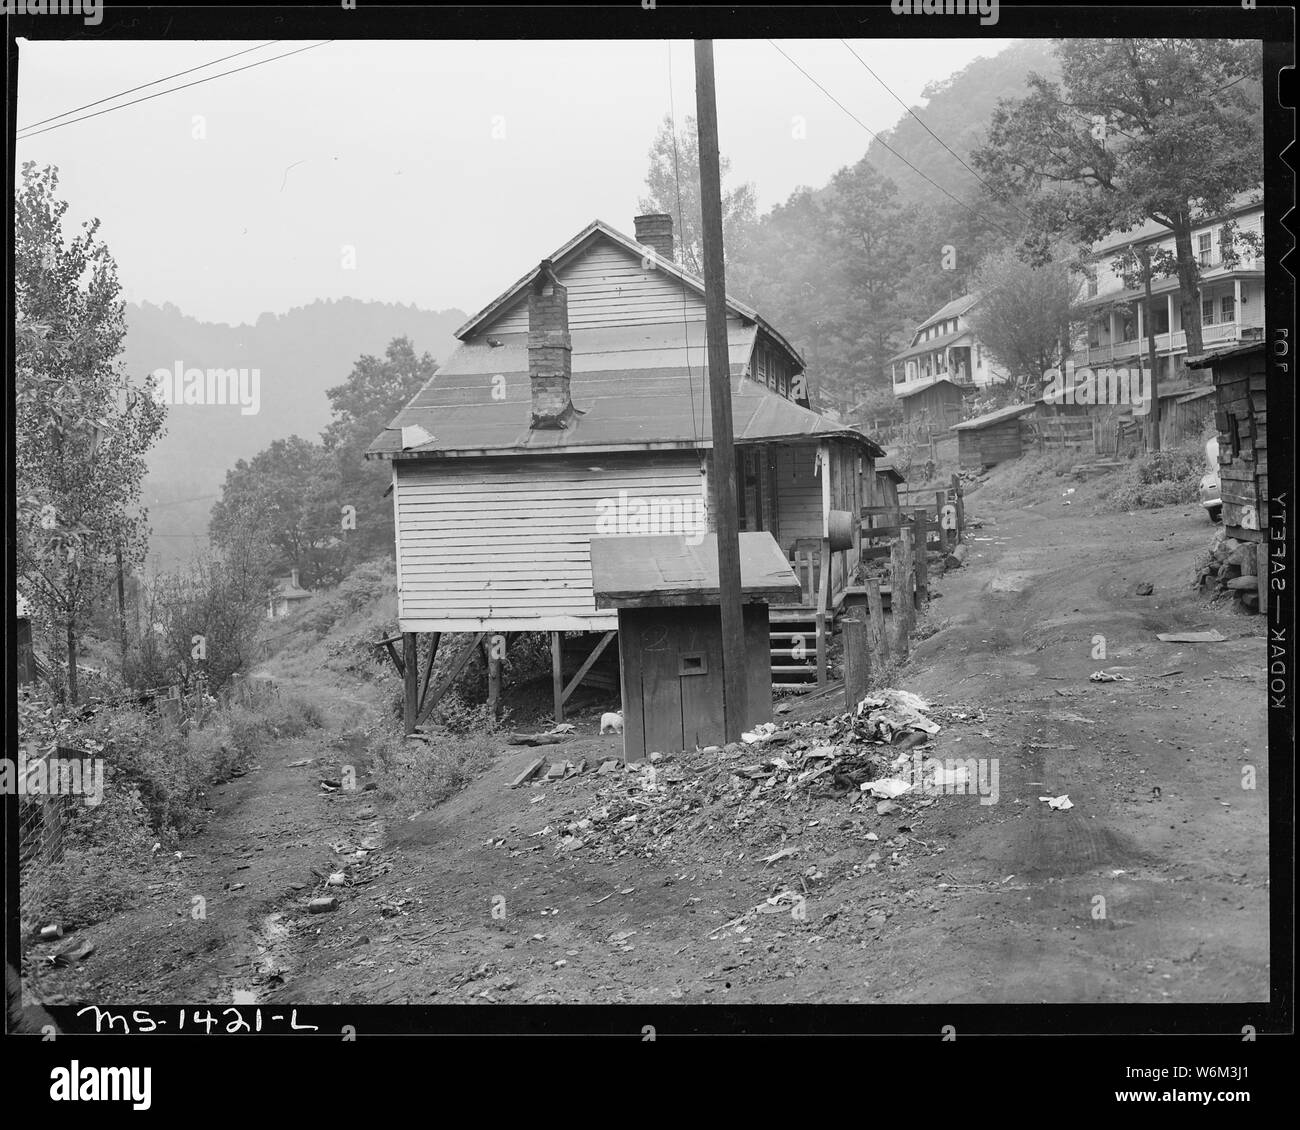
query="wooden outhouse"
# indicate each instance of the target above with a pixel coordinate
(670, 634)
(990, 439)
(1241, 419)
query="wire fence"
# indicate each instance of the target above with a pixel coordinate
(42, 819)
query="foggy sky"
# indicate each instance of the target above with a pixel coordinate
(388, 148)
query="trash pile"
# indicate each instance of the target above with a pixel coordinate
(717, 791)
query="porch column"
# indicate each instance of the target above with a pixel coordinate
(1236, 306)
(1169, 305)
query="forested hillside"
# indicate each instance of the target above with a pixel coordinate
(299, 355)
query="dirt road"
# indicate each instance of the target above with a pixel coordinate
(1153, 887)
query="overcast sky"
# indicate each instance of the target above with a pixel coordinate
(450, 167)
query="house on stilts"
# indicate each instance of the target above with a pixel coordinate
(576, 406)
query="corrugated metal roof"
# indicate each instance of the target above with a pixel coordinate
(1206, 360)
(953, 309)
(1008, 413)
(929, 383)
(635, 386)
(929, 346)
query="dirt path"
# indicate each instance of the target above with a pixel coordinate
(1153, 887)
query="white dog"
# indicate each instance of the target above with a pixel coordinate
(612, 722)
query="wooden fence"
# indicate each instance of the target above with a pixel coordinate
(906, 536)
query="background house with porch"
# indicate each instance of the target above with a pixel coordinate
(577, 406)
(1231, 293)
(944, 345)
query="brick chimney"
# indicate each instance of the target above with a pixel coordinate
(550, 350)
(656, 231)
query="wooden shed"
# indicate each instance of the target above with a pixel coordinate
(937, 402)
(990, 439)
(888, 480)
(670, 634)
(1241, 419)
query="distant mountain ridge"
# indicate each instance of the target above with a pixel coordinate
(298, 355)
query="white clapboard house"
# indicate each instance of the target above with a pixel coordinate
(576, 405)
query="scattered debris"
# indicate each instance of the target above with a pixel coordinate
(1146, 588)
(301, 762)
(1212, 636)
(534, 767)
(1058, 803)
(1108, 677)
(323, 905)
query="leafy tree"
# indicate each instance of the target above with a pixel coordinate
(363, 405)
(1138, 129)
(863, 224)
(81, 429)
(203, 623)
(674, 176)
(1025, 314)
(289, 494)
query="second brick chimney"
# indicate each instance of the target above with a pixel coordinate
(656, 231)
(550, 350)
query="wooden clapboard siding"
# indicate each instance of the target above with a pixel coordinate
(608, 287)
(799, 494)
(505, 543)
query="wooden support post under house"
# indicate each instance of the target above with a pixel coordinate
(878, 639)
(587, 665)
(557, 675)
(454, 668)
(434, 639)
(922, 538)
(857, 661)
(961, 509)
(410, 680)
(492, 647)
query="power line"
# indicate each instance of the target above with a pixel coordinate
(885, 145)
(142, 86)
(927, 129)
(174, 89)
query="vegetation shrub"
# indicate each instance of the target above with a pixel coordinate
(1160, 478)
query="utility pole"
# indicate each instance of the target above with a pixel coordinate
(723, 481)
(1153, 412)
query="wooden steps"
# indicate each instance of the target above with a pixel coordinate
(790, 628)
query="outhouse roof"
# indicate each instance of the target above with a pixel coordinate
(665, 570)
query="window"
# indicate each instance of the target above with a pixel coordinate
(1207, 311)
(1203, 251)
(1092, 286)
(1228, 309)
(1160, 318)
(1094, 335)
